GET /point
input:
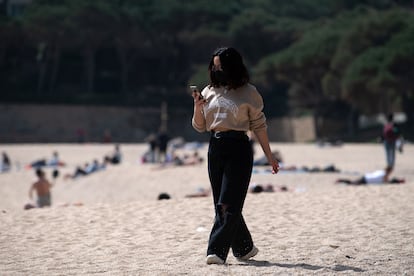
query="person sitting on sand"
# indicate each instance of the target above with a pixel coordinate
(42, 187)
(5, 164)
(150, 155)
(95, 166)
(375, 177)
(115, 157)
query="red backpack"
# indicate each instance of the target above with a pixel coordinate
(390, 132)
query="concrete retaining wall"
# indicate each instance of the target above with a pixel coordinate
(66, 124)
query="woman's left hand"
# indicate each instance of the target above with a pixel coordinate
(275, 166)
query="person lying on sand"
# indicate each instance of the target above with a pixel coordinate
(262, 161)
(179, 161)
(268, 188)
(53, 162)
(87, 169)
(293, 168)
(376, 177)
(201, 192)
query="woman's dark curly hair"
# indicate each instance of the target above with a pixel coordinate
(232, 66)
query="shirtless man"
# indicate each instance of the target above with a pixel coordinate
(42, 187)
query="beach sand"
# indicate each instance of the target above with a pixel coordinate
(316, 227)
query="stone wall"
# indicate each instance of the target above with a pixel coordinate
(68, 124)
(288, 129)
(65, 123)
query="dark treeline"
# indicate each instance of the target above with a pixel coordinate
(330, 58)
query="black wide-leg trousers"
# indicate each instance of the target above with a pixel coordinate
(230, 162)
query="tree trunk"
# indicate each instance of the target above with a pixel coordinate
(408, 106)
(123, 61)
(89, 53)
(41, 77)
(317, 120)
(4, 7)
(42, 63)
(352, 122)
(2, 54)
(55, 69)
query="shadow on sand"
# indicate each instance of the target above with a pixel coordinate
(301, 265)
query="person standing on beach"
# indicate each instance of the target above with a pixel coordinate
(390, 134)
(42, 187)
(229, 107)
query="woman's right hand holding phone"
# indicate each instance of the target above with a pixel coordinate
(198, 98)
(199, 101)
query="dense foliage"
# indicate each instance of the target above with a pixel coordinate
(323, 57)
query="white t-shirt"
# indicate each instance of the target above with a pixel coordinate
(376, 177)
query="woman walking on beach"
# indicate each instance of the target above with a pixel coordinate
(228, 107)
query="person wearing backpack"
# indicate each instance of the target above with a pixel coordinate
(391, 136)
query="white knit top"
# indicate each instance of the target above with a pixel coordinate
(235, 109)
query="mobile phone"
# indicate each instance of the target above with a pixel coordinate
(194, 88)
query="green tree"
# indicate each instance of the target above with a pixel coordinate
(90, 27)
(382, 69)
(46, 25)
(319, 56)
(305, 63)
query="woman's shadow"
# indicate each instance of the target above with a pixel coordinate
(300, 265)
